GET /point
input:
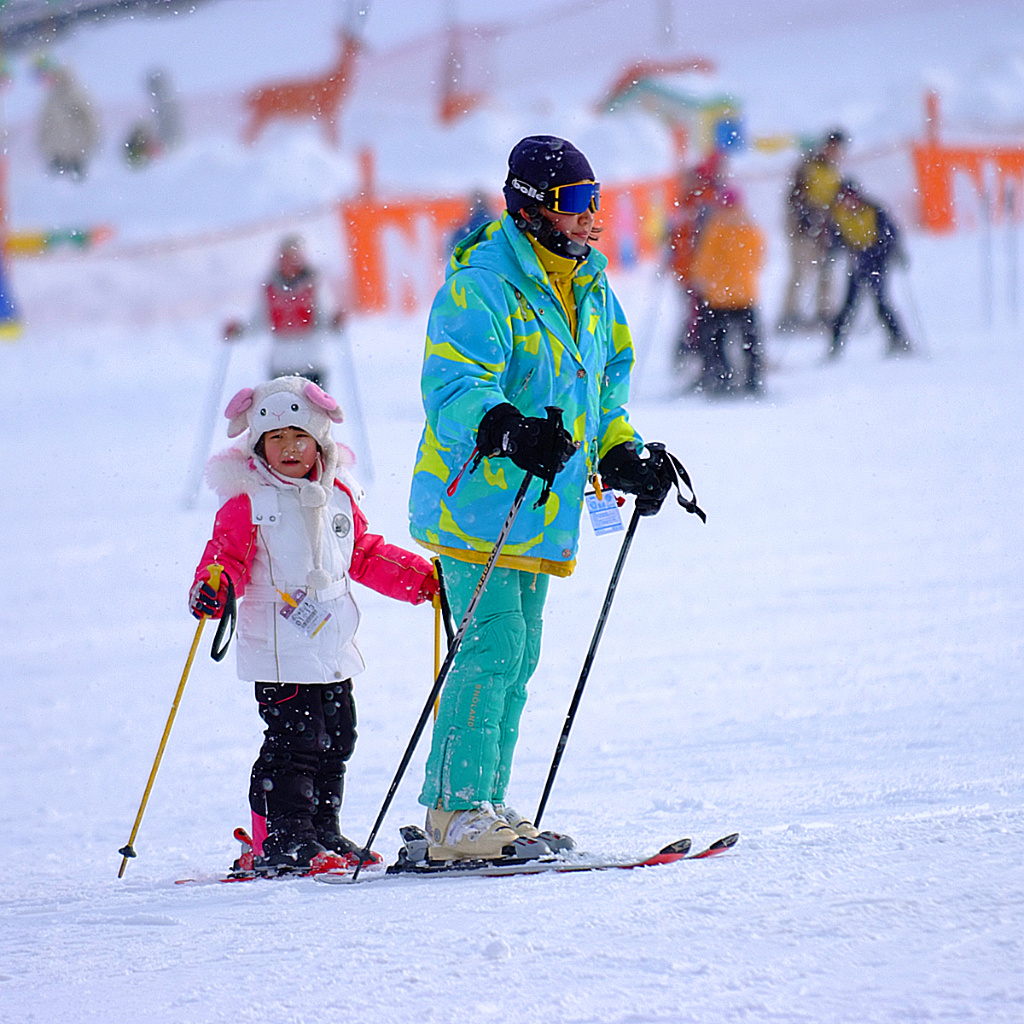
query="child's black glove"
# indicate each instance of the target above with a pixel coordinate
(649, 479)
(536, 445)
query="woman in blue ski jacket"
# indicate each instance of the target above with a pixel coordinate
(525, 320)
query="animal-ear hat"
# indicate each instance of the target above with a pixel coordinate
(291, 402)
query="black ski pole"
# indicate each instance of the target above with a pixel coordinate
(587, 663)
(679, 475)
(446, 608)
(446, 667)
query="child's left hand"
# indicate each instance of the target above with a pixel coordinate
(431, 590)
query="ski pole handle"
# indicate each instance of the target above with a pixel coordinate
(216, 571)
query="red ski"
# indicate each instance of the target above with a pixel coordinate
(410, 865)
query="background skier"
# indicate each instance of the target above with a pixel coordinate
(725, 271)
(811, 240)
(698, 191)
(526, 319)
(870, 236)
(290, 310)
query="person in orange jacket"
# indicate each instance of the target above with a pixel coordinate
(725, 270)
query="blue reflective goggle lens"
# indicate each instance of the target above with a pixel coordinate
(583, 195)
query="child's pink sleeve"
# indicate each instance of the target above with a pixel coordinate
(233, 544)
(388, 569)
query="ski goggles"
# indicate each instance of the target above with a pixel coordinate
(575, 198)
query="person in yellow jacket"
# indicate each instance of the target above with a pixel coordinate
(811, 237)
(726, 269)
(872, 239)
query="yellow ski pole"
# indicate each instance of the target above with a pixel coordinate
(128, 850)
(442, 613)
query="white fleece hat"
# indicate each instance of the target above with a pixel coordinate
(292, 402)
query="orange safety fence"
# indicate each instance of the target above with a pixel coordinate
(997, 173)
(399, 248)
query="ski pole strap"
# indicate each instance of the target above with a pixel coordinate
(680, 476)
(228, 620)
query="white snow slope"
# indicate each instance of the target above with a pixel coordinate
(831, 666)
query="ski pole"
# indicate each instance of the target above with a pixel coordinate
(442, 611)
(679, 475)
(207, 423)
(587, 663)
(128, 850)
(351, 385)
(442, 675)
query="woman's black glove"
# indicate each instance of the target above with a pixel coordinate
(649, 479)
(536, 445)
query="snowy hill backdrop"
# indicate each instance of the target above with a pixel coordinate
(831, 666)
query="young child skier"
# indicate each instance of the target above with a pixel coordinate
(291, 538)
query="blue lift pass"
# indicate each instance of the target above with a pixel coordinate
(604, 513)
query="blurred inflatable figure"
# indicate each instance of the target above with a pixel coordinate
(725, 270)
(291, 312)
(699, 188)
(161, 131)
(142, 145)
(164, 106)
(871, 237)
(809, 206)
(480, 213)
(10, 325)
(68, 132)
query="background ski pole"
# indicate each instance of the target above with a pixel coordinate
(208, 422)
(587, 663)
(453, 649)
(349, 385)
(128, 850)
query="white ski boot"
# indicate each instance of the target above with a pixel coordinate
(475, 834)
(556, 842)
(520, 825)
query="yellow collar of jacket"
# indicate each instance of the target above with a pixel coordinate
(560, 270)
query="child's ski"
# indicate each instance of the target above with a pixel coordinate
(243, 870)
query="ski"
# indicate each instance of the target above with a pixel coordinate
(243, 869)
(413, 862)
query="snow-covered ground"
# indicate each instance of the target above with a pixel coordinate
(831, 666)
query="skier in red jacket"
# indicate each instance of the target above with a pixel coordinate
(290, 310)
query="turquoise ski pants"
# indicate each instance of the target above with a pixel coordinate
(483, 698)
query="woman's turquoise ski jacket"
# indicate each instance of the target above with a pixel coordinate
(499, 333)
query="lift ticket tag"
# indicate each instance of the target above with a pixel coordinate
(303, 612)
(604, 513)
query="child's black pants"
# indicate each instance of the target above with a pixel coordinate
(298, 777)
